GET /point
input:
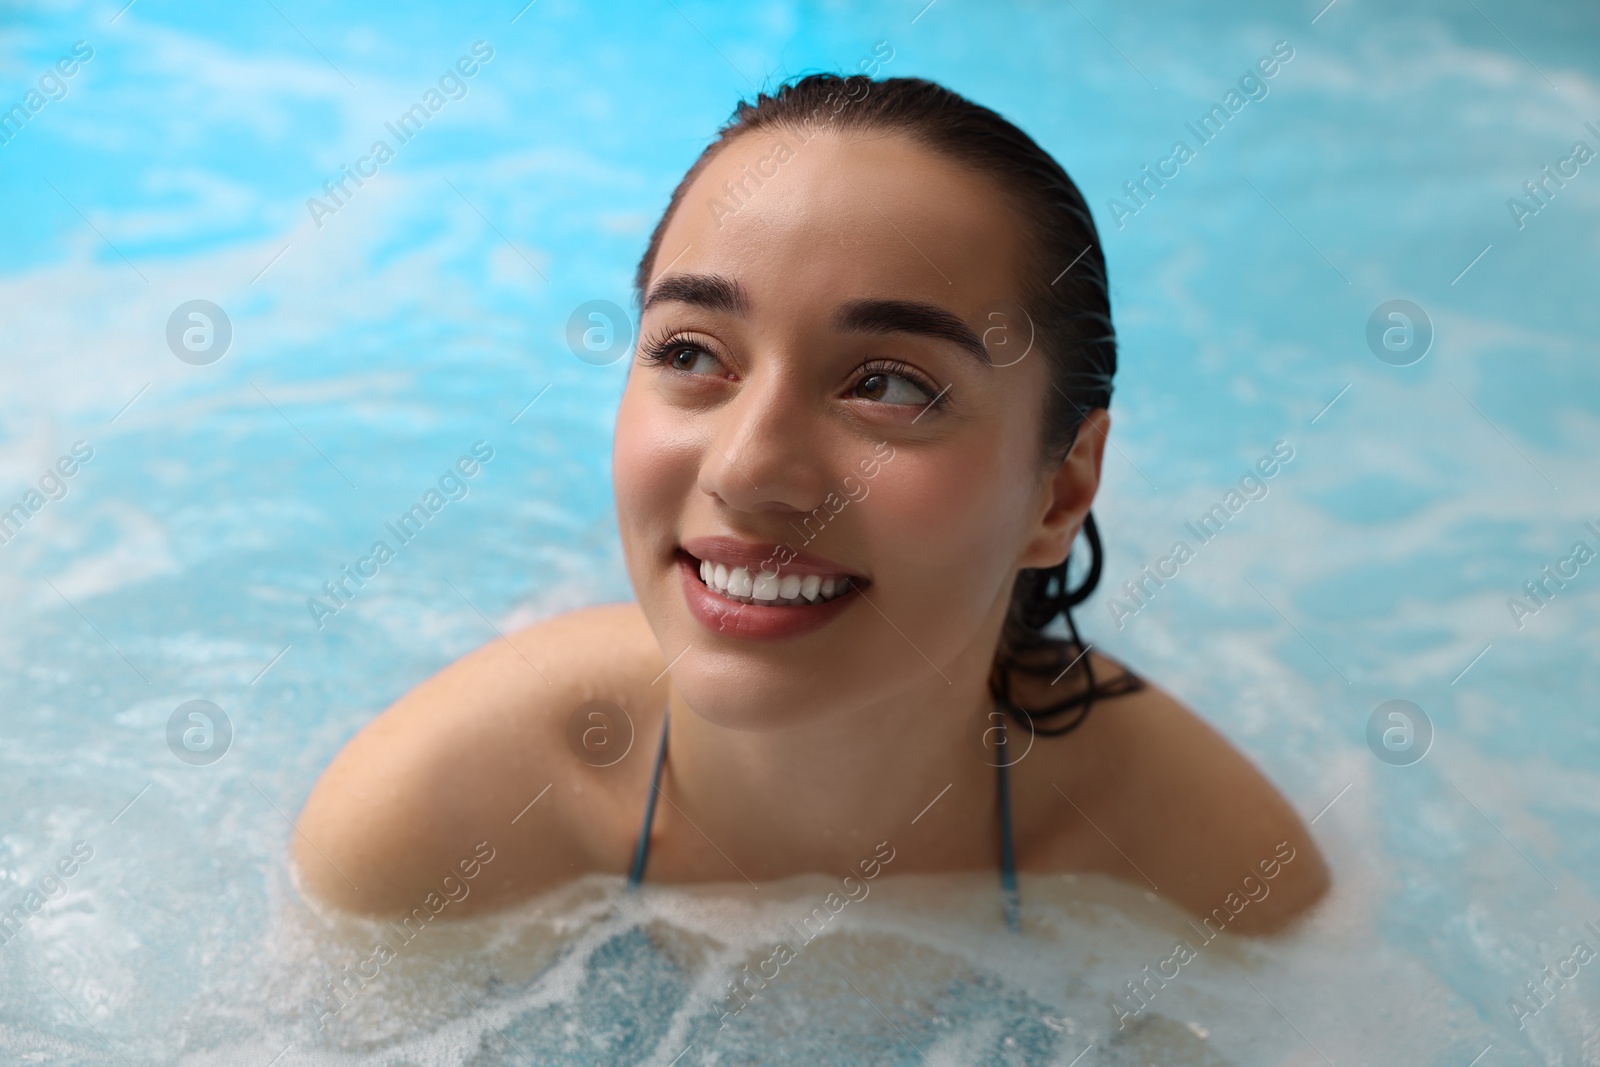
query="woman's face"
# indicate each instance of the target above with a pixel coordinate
(842, 394)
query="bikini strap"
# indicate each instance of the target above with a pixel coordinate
(1008, 863)
(636, 875)
(1008, 866)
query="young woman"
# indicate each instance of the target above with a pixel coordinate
(861, 434)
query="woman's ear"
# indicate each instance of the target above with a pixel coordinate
(1066, 494)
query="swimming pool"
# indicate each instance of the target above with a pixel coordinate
(192, 474)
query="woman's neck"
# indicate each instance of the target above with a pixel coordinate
(819, 794)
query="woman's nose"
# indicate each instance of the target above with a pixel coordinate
(765, 449)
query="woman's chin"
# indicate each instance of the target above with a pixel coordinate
(739, 707)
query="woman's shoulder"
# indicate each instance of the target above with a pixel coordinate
(479, 759)
(1165, 801)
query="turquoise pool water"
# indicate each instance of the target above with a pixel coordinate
(218, 477)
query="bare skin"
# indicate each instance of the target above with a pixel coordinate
(801, 753)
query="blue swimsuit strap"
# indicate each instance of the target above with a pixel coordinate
(1008, 862)
(636, 875)
(1008, 866)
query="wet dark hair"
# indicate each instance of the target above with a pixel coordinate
(1064, 294)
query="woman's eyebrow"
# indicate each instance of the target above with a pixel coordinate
(716, 292)
(908, 316)
(711, 291)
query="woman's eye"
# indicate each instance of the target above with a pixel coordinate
(888, 388)
(693, 360)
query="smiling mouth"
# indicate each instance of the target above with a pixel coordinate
(769, 588)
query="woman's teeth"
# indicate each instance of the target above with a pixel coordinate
(737, 583)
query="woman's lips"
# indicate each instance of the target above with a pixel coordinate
(734, 618)
(765, 556)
